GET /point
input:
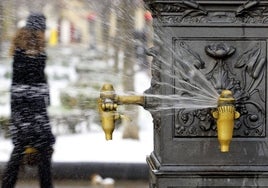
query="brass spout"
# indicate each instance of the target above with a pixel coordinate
(225, 115)
(108, 103)
(107, 110)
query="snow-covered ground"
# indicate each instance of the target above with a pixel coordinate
(92, 147)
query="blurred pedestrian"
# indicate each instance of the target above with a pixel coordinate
(30, 126)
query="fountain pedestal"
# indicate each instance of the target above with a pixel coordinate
(227, 42)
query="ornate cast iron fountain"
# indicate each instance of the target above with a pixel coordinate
(227, 42)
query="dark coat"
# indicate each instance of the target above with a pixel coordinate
(30, 123)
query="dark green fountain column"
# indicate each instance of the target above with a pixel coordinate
(227, 42)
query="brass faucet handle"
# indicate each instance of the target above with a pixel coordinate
(108, 105)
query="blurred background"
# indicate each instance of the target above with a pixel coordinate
(89, 43)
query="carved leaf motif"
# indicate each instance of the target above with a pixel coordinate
(187, 54)
(252, 61)
(188, 12)
(257, 75)
(171, 7)
(191, 4)
(253, 12)
(258, 12)
(253, 65)
(246, 6)
(259, 68)
(195, 9)
(247, 57)
(192, 13)
(186, 8)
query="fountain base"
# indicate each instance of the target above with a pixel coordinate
(176, 176)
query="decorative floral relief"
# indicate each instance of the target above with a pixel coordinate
(219, 50)
(250, 100)
(184, 8)
(189, 12)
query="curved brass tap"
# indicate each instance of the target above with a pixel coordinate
(225, 115)
(108, 103)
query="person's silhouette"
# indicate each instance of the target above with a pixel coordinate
(30, 126)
